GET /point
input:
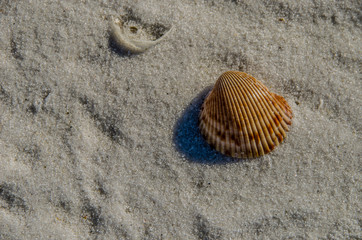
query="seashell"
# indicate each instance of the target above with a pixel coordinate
(241, 118)
(128, 44)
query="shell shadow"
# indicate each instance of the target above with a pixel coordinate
(112, 45)
(188, 139)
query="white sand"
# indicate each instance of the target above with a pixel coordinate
(98, 144)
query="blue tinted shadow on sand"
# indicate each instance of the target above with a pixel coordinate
(188, 139)
(112, 45)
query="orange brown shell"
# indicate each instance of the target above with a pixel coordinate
(241, 118)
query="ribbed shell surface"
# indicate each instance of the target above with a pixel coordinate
(241, 118)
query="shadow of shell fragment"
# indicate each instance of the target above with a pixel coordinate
(132, 39)
(241, 118)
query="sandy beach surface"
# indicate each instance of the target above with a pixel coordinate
(99, 143)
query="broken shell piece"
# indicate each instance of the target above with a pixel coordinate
(241, 118)
(126, 43)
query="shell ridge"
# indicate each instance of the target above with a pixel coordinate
(262, 116)
(244, 119)
(244, 129)
(220, 113)
(271, 126)
(277, 121)
(230, 108)
(252, 87)
(239, 146)
(271, 118)
(281, 111)
(242, 102)
(228, 111)
(239, 85)
(216, 123)
(284, 107)
(280, 124)
(214, 110)
(247, 97)
(273, 96)
(212, 125)
(207, 121)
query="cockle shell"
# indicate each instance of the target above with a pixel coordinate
(241, 118)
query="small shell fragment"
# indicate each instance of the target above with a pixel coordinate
(241, 118)
(128, 44)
